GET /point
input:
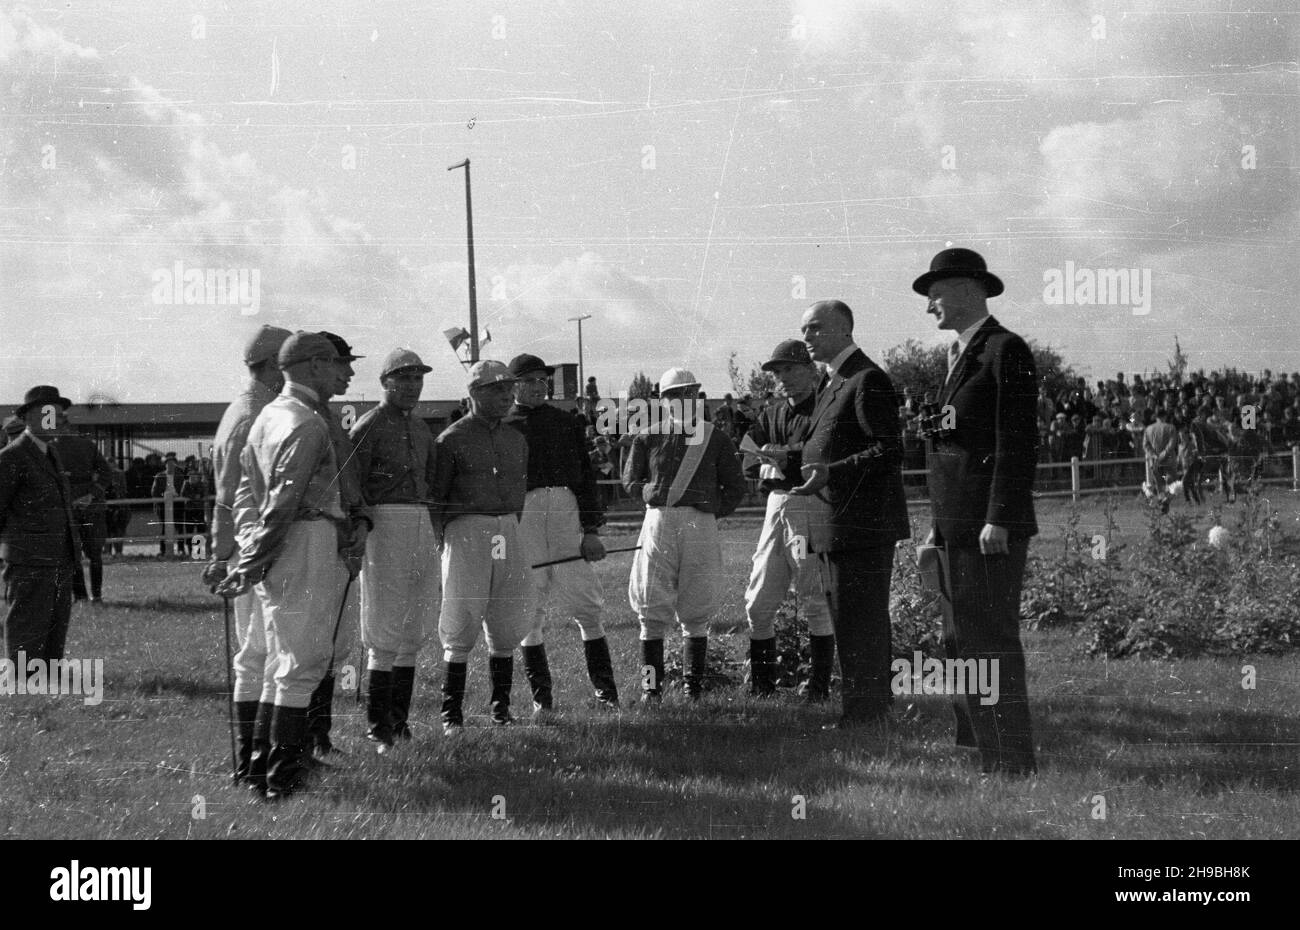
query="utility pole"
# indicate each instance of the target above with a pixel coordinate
(582, 377)
(473, 295)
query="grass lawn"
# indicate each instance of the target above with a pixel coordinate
(1177, 750)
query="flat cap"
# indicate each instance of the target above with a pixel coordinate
(487, 372)
(398, 359)
(265, 344)
(303, 347)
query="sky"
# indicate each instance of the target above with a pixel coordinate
(691, 174)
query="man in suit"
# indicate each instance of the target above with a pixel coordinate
(853, 458)
(981, 476)
(173, 476)
(38, 538)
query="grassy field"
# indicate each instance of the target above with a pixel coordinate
(1177, 750)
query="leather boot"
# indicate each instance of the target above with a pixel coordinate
(538, 672)
(245, 717)
(257, 762)
(502, 672)
(695, 655)
(652, 670)
(403, 691)
(379, 709)
(823, 661)
(453, 696)
(284, 771)
(319, 716)
(762, 667)
(600, 670)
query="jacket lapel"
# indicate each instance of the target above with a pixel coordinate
(965, 364)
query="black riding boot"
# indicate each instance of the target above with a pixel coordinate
(245, 717)
(762, 667)
(502, 672)
(695, 655)
(379, 709)
(256, 779)
(403, 691)
(600, 670)
(320, 716)
(538, 672)
(284, 772)
(453, 696)
(652, 670)
(823, 661)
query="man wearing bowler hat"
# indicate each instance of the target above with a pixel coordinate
(401, 580)
(853, 457)
(38, 535)
(480, 483)
(289, 513)
(981, 475)
(254, 696)
(784, 555)
(562, 518)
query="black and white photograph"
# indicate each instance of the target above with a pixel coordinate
(793, 419)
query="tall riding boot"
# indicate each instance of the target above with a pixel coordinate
(245, 716)
(652, 670)
(284, 772)
(453, 696)
(695, 655)
(320, 716)
(379, 709)
(823, 661)
(97, 579)
(502, 672)
(538, 672)
(403, 691)
(600, 670)
(762, 667)
(257, 763)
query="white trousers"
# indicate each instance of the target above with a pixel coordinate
(782, 559)
(550, 529)
(485, 585)
(300, 601)
(254, 675)
(401, 586)
(348, 618)
(677, 571)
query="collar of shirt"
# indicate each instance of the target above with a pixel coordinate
(301, 392)
(45, 449)
(834, 365)
(966, 335)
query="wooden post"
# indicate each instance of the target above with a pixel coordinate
(1074, 478)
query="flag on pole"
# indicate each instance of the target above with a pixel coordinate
(485, 337)
(457, 337)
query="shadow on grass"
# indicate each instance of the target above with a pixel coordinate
(1141, 742)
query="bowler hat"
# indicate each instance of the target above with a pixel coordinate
(522, 364)
(41, 395)
(958, 263)
(790, 352)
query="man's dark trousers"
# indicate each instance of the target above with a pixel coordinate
(859, 600)
(39, 600)
(982, 622)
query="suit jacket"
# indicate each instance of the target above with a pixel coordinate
(855, 431)
(982, 470)
(36, 523)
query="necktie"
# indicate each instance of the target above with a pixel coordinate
(954, 352)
